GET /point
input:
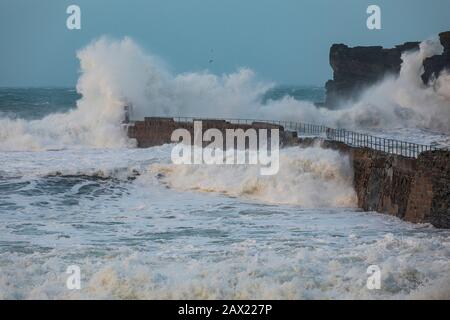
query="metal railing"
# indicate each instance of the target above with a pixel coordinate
(391, 146)
(351, 138)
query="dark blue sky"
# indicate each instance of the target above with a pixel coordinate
(286, 41)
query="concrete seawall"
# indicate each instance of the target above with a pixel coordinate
(413, 189)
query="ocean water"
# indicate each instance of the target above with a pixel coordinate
(140, 227)
(36, 103)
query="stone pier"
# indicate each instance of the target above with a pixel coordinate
(413, 189)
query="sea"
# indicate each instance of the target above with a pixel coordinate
(135, 226)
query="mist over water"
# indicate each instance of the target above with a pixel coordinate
(115, 73)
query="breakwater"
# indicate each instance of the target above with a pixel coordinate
(155, 131)
(414, 188)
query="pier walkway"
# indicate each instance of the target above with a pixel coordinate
(351, 138)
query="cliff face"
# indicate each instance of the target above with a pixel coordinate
(434, 65)
(359, 67)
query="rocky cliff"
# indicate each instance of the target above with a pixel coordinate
(433, 66)
(357, 68)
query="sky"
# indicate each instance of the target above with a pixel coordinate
(283, 41)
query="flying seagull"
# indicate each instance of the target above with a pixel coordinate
(211, 60)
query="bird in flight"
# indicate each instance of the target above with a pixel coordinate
(211, 60)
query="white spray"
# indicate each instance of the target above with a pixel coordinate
(311, 177)
(117, 73)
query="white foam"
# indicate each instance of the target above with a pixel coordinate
(246, 270)
(311, 177)
(142, 240)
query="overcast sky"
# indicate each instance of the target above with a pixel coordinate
(285, 41)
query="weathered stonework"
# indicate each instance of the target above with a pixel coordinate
(155, 131)
(415, 190)
(430, 193)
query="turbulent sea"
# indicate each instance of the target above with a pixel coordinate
(140, 227)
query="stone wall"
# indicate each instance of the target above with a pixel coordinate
(155, 131)
(415, 190)
(429, 198)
